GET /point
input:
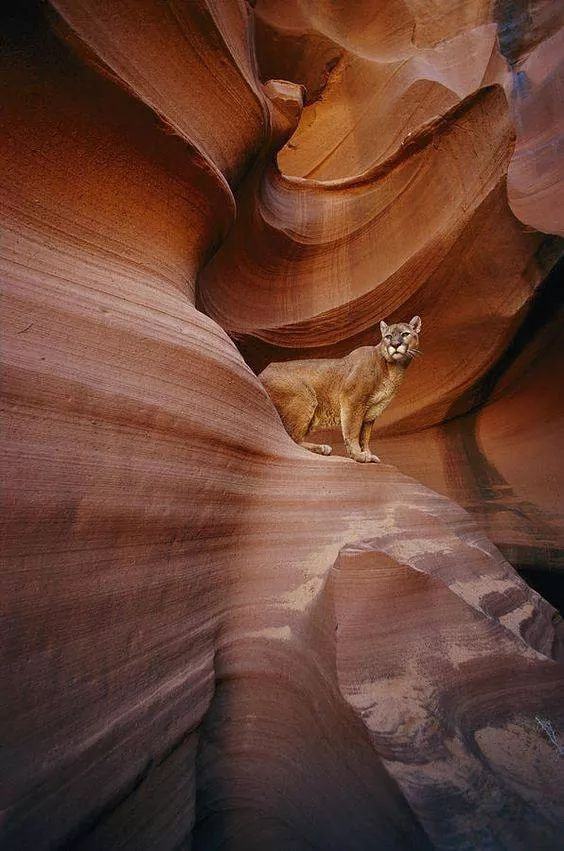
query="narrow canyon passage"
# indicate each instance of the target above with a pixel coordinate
(213, 638)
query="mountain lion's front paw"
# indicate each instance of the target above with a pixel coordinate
(374, 459)
(362, 457)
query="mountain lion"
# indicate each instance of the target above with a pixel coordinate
(350, 391)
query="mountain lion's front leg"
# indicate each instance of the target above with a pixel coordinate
(351, 424)
(365, 433)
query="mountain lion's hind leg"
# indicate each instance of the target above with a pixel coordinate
(318, 448)
(297, 415)
(365, 433)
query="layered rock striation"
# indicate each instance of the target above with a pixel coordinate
(214, 639)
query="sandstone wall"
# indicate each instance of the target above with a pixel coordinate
(214, 639)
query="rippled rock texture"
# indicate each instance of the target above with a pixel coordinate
(213, 638)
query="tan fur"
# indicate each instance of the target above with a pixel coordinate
(350, 391)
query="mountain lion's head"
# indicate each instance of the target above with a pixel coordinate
(400, 341)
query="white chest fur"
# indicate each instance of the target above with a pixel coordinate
(382, 396)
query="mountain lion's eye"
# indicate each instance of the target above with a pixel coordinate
(405, 334)
(388, 337)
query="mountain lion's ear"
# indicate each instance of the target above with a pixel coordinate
(416, 324)
(383, 327)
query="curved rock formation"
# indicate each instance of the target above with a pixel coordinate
(397, 194)
(214, 639)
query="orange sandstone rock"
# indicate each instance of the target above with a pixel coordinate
(213, 638)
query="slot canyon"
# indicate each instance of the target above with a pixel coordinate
(212, 638)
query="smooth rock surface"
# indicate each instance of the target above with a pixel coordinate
(212, 638)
